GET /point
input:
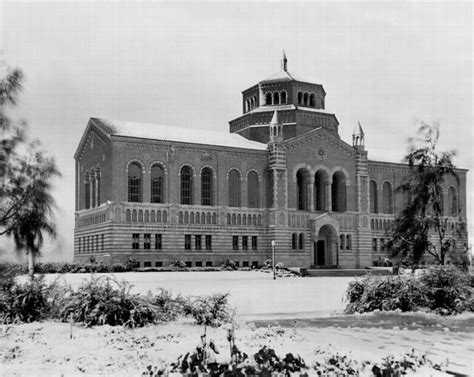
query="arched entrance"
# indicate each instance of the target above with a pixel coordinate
(325, 247)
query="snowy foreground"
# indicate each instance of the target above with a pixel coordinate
(290, 315)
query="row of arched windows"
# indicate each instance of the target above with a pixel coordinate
(387, 204)
(92, 188)
(308, 99)
(322, 188)
(187, 186)
(146, 216)
(276, 98)
(250, 103)
(387, 197)
(297, 241)
(345, 242)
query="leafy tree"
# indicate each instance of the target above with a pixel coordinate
(421, 228)
(26, 172)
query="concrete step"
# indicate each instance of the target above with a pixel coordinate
(345, 272)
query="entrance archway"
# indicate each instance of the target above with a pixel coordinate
(325, 247)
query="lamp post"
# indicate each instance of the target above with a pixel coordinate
(273, 259)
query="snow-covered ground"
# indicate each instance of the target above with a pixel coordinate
(301, 312)
(254, 294)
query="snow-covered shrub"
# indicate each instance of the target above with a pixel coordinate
(447, 290)
(24, 302)
(443, 289)
(105, 301)
(229, 265)
(176, 263)
(384, 293)
(118, 267)
(211, 310)
(169, 308)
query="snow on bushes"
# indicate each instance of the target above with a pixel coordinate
(103, 301)
(442, 289)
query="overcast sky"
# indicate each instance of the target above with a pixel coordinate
(385, 65)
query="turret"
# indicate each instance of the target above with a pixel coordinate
(358, 137)
(276, 129)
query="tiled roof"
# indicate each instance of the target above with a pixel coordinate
(177, 134)
(282, 76)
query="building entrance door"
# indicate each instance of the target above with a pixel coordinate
(320, 253)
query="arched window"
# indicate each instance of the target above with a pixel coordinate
(87, 189)
(387, 197)
(301, 241)
(294, 241)
(305, 99)
(276, 98)
(342, 241)
(268, 99)
(283, 98)
(157, 179)
(97, 187)
(374, 199)
(134, 182)
(252, 190)
(453, 201)
(300, 98)
(338, 191)
(206, 187)
(302, 190)
(234, 188)
(186, 185)
(312, 101)
(320, 181)
(348, 242)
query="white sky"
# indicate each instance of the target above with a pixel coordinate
(185, 64)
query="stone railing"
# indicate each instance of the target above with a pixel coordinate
(128, 212)
(92, 216)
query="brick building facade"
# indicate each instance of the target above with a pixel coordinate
(283, 173)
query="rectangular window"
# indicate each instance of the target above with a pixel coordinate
(235, 242)
(245, 264)
(237, 264)
(198, 264)
(374, 244)
(135, 241)
(147, 241)
(158, 264)
(208, 242)
(147, 264)
(97, 242)
(187, 242)
(245, 242)
(254, 264)
(382, 244)
(79, 245)
(197, 242)
(158, 242)
(208, 264)
(254, 243)
(188, 264)
(102, 242)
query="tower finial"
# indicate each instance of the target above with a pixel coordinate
(284, 62)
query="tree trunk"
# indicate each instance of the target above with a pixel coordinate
(31, 263)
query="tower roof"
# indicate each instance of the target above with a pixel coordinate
(358, 129)
(275, 120)
(283, 75)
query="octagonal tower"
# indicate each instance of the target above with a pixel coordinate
(300, 105)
